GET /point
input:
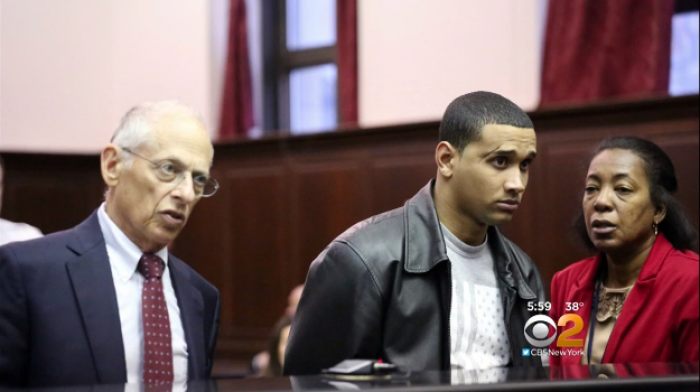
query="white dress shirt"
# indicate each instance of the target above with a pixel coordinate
(124, 257)
(13, 231)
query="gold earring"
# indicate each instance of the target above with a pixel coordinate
(656, 228)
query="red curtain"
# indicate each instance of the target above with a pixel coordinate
(347, 62)
(237, 102)
(606, 48)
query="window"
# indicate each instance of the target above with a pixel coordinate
(685, 53)
(300, 76)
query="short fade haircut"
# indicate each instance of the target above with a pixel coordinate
(467, 115)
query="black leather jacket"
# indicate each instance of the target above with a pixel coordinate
(382, 290)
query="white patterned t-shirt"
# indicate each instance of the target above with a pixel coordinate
(478, 337)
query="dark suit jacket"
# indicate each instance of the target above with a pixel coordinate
(59, 318)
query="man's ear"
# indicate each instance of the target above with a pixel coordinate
(445, 157)
(111, 165)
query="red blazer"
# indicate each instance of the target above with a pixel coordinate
(659, 320)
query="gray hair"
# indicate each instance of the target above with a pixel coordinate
(135, 128)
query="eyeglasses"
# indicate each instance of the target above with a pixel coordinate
(169, 171)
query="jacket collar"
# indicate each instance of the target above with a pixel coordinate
(91, 277)
(655, 260)
(639, 296)
(191, 305)
(88, 234)
(421, 221)
(508, 269)
(652, 265)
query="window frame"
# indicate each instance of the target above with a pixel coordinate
(279, 62)
(682, 6)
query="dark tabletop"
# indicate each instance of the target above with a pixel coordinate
(619, 378)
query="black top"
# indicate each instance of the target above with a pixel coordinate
(619, 378)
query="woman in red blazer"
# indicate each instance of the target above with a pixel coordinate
(645, 277)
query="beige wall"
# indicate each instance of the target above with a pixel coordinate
(69, 69)
(415, 56)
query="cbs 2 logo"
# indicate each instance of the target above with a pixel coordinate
(540, 330)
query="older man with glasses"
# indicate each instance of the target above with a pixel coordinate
(105, 302)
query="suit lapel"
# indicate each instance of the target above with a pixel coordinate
(634, 304)
(91, 277)
(191, 305)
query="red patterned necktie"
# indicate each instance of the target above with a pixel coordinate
(157, 349)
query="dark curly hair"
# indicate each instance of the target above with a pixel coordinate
(676, 227)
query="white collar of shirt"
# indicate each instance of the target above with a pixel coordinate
(129, 253)
(461, 248)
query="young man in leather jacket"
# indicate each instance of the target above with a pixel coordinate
(432, 285)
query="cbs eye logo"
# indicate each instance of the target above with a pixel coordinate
(539, 330)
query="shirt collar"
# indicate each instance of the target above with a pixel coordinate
(462, 248)
(128, 254)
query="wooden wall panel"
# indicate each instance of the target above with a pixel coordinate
(256, 264)
(203, 244)
(558, 204)
(394, 181)
(282, 200)
(51, 192)
(258, 214)
(684, 152)
(67, 210)
(329, 199)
